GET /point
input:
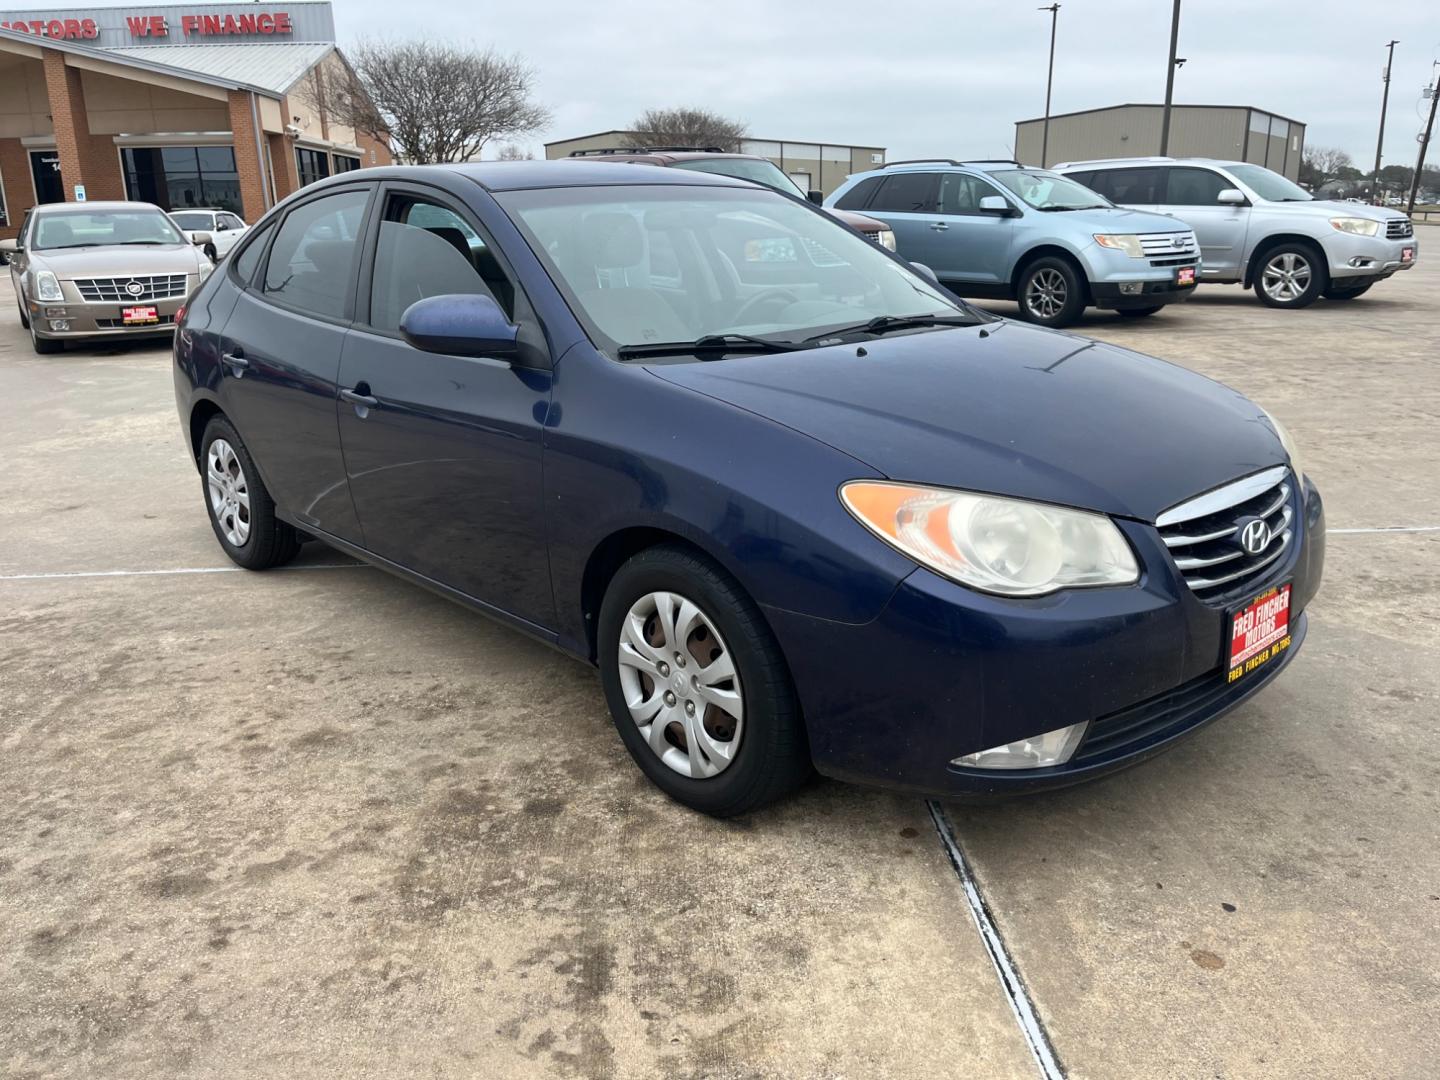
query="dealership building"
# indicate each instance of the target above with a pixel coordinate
(813, 166)
(219, 105)
(1230, 132)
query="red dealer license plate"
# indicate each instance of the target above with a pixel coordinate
(1407, 254)
(1185, 275)
(132, 315)
(1260, 631)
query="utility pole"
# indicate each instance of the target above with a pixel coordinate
(1054, 10)
(1434, 92)
(1170, 81)
(1380, 142)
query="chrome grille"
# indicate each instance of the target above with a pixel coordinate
(115, 290)
(1163, 245)
(1399, 229)
(1202, 533)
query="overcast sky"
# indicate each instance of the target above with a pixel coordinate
(928, 78)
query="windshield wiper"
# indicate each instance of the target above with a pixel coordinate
(708, 343)
(128, 243)
(883, 324)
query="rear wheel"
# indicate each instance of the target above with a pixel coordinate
(1291, 275)
(1339, 292)
(1140, 312)
(241, 510)
(697, 686)
(1051, 292)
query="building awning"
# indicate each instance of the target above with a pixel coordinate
(270, 66)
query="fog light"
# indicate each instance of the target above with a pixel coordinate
(1359, 261)
(55, 313)
(1036, 752)
(59, 324)
(1131, 288)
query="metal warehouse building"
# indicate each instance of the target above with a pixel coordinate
(813, 166)
(1236, 132)
(206, 105)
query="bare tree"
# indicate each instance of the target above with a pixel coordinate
(434, 102)
(1322, 163)
(512, 152)
(686, 126)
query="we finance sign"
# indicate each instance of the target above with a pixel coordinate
(141, 26)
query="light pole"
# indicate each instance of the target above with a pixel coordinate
(1170, 81)
(1434, 91)
(1380, 142)
(1054, 10)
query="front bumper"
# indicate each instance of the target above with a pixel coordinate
(945, 671)
(1109, 295)
(1118, 281)
(1370, 257)
(88, 319)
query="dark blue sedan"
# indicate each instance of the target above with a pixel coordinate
(800, 506)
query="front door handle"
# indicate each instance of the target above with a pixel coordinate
(939, 226)
(236, 362)
(363, 401)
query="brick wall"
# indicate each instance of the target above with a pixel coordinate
(84, 158)
(248, 161)
(19, 191)
(283, 165)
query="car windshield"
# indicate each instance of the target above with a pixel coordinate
(759, 172)
(192, 220)
(97, 227)
(646, 265)
(1270, 186)
(1050, 191)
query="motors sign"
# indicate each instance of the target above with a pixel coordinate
(149, 27)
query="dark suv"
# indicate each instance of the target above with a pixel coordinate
(752, 167)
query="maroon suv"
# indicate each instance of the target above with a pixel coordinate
(758, 170)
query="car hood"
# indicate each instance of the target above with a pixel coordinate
(1339, 208)
(115, 260)
(858, 222)
(1008, 409)
(1117, 219)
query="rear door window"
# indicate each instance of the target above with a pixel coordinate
(907, 193)
(1133, 187)
(312, 261)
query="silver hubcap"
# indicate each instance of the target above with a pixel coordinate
(680, 685)
(1046, 294)
(229, 493)
(1286, 276)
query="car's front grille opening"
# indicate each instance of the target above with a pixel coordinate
(1399, 229)
(1184, 260)
(121, 324)
(132, 290)
(1215, 541)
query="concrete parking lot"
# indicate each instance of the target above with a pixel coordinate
(320, 823)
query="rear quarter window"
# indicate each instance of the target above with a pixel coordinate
(859, 195)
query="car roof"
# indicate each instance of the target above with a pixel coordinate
(95, 204)
(1119, 162)
(948, 165)
(520, 175)
(661, 155)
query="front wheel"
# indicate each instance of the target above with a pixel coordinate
(1339, 292)
(241, 510)
(1290, 276)
(45, 346)
(697, 686)
(1140, 312)
(1051, 292)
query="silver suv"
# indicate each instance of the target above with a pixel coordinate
(1258, 229)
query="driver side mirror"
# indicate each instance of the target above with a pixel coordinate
(460, 324)
(9, 247)
(200, 239)
(995, 204)
(817, 197)
(925, 272)
(1231, 197)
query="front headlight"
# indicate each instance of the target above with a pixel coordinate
(1127, 243)
(1355, 226)
(886, 238)
(47, 286)
(1291, 450)
(997, 545)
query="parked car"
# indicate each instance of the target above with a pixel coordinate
(101, 269)
(1000, 230)
(752, 167)
(798, 504)
(225, 229)
(1258, 229)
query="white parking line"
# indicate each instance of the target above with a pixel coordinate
(1015, 993)
(163, 573)
(1385, 529)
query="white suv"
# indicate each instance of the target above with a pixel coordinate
(1258, 229)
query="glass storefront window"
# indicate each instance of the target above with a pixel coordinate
(313, 165)
(345, 163)
(180, 177)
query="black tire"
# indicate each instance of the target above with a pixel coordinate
(1339, 292)
(45, 346)
(24, 319)
(210, 254)
(773, 758)
(1316, 278)
(269, 541)
(1141, 312)
(1051, 292)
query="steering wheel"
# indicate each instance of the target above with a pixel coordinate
(766, 297)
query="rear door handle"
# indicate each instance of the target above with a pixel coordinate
(364, 401)
(235, 361)
(939, 226)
